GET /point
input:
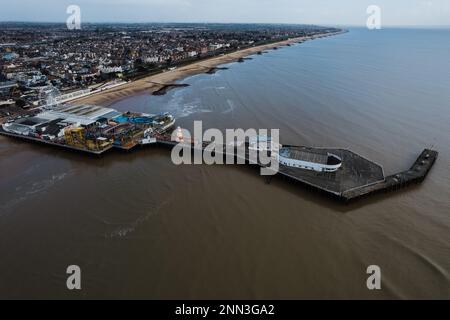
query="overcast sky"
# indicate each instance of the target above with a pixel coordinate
(331, 12)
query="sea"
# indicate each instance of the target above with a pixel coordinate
(139, 226)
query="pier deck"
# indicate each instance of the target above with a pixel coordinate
(415, 174)
(355, 172)
(358, 177)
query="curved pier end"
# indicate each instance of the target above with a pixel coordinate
(355, 172)
(359, 177)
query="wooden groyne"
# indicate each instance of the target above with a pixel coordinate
(243, 59)
(215, 69)
(165, 87)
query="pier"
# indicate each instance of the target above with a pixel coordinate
(243, 59)
(357, 177)
(416, 174)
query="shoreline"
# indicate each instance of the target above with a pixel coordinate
(156, 82)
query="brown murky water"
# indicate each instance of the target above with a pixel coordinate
(141, 227)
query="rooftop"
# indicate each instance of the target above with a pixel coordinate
(31, 121)
(84, 114)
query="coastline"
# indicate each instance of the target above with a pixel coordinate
(156, 82)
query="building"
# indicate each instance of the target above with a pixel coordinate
(5, 87)
(116, 69)
(52, 123)
(80, 115)
(304, 158)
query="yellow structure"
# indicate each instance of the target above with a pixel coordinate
(98, 144)
(75, 137)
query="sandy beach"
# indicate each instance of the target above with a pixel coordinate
(155, 82)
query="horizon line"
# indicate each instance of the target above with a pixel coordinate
(231, 23)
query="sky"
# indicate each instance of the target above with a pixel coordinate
(323, 12)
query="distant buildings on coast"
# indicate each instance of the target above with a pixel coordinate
(40, 61)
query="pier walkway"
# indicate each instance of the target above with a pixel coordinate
(416, 174)
(358, 177)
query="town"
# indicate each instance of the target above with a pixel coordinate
(47, 64)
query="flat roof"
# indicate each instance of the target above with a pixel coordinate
(83, 114)
(304, 155)
(88, 111)
(112, 115)
(31, 121)
(17, 128)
